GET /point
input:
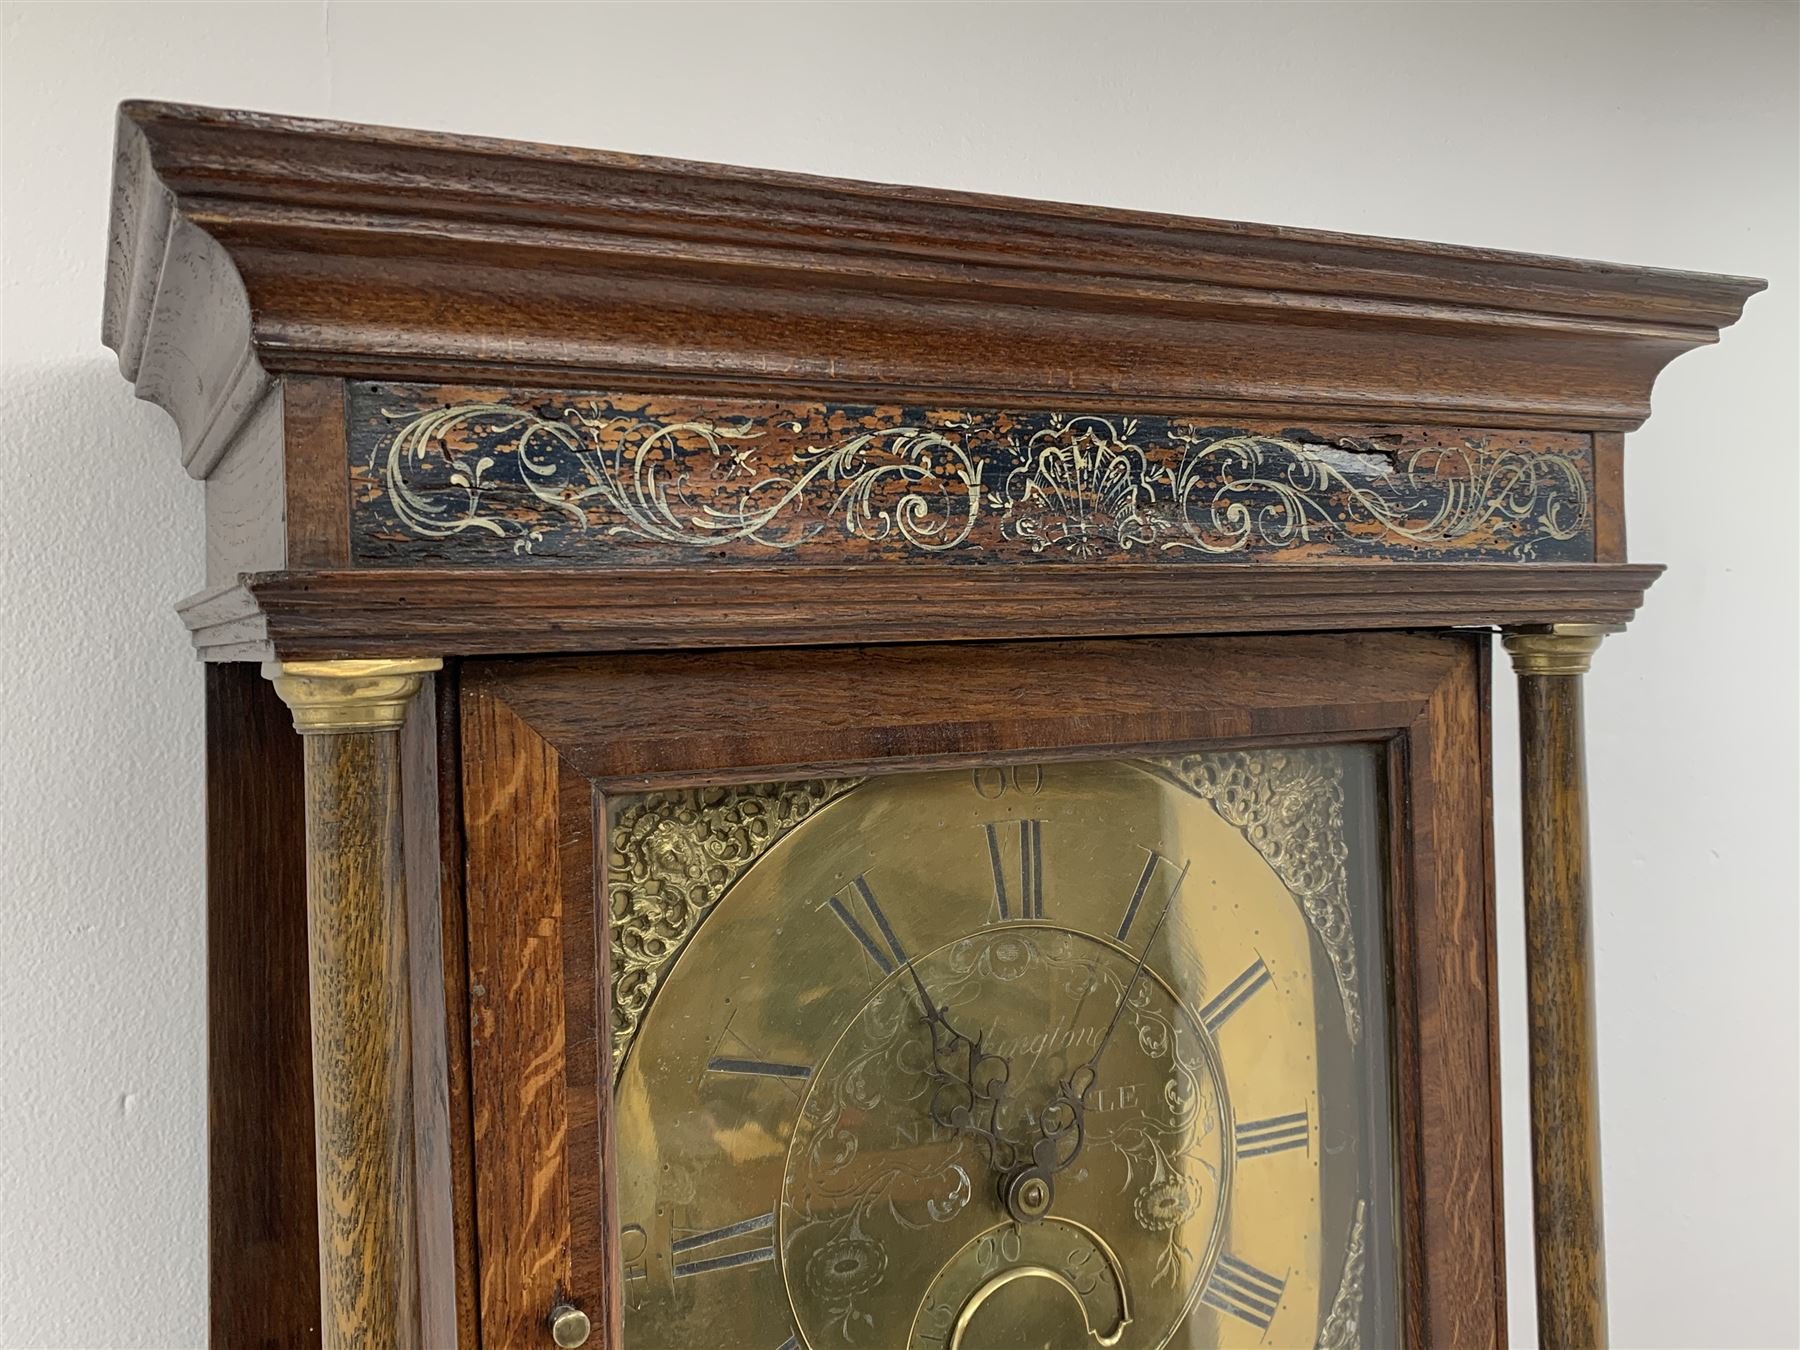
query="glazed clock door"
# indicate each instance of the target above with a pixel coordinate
(1042, 1054)
(854, 999)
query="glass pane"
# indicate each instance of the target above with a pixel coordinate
(1017, 1056)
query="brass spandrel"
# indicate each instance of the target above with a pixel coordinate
(1289, 804)
(671, 855)
(1342, 1328)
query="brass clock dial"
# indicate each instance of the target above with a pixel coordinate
(1037, 1056)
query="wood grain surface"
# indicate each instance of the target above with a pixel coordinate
(362, 1042)
(262, 269)
(446, 789)
(246, 501)
(542, 1202)
(368, 252)
(1565, 1103)
(1609, 497)
(317, 506)
(435, 962)
(262, 1210)
(1445, 1016)
(638, 720)
(440, 613)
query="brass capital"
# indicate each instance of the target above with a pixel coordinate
(341, 696)
(1557, 648)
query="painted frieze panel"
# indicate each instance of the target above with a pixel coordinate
(482, 477)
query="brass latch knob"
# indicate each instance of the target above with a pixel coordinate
(569, 1326)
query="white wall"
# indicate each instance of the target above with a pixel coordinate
(1662, 134)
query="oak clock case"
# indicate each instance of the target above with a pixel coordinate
(670, 926)
(1034, 1054)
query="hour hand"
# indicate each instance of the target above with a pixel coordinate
(968, 1084)
(1063, 1122)
(1062, 1130)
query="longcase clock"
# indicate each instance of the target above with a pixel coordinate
(876, 768)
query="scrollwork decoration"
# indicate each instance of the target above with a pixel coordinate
(639, 477)
(1342, 1327)
(670, 856)
(1289, 804)
(1242, 489)
(836, 483)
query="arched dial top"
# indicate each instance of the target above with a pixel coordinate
(1031, 1056)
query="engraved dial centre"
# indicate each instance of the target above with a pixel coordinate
(870, 1174)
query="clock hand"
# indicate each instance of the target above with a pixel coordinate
(1093, 1062)
(966, 1079)
(1063, 1124)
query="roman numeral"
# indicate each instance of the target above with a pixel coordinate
(1239, 1288)
(1274, 1135)
(732, 1054)
(890, 958)
(1234, 995)
(791, 1343)
(1143, 889)
(761, 1068)
(1031, 868)
(694, 1242)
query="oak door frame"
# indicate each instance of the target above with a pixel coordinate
(544, 740)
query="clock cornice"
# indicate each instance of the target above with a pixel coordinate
(359, 331)
(245, 245)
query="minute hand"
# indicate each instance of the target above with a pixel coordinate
(1063, 1122)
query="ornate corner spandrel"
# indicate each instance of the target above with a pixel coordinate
(1342, 1327)
(1289, 804)
(670, 857)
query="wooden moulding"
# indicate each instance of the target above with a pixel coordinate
(245, 245)
(347, 613)
(271, 280)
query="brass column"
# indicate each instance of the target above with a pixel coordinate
(1565, 1116)
(350, 714)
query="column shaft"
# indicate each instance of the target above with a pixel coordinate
(350, 714)
(1565, 1118)
(362, 1041)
